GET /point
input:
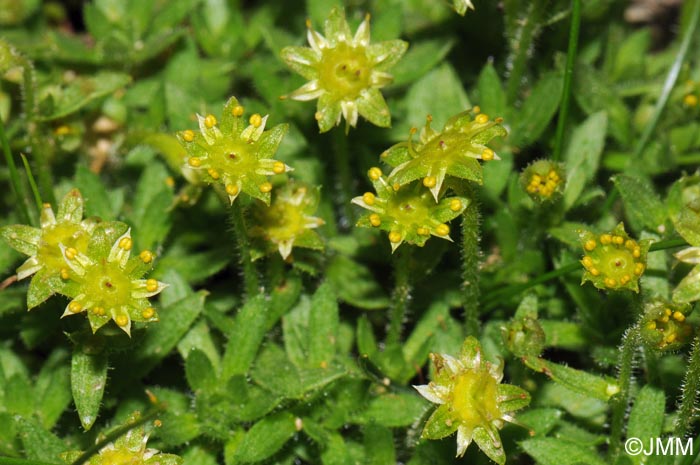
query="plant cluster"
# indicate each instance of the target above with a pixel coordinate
(259, 285)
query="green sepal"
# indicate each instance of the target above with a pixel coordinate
(490, 444)
(336, 26)
(514, 398)
(297, 57)
(441, 424)
(43, 286)
(372, 106)
(22, 238)
(71, 207)
(390, 50)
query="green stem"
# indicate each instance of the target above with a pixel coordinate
(250, 273)
(520, 47)
(470, 267)
(32, 183)
(401, 295)
(630, 342)
(116, 434)
(568, 77)
(20, 191)
(492, 298)
(15, 461)
(669, 84)
(687, 412)
(344, 183)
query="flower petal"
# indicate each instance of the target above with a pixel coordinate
(121, 250)
(464, 438)
(29, 267)
(432, 392)
(309, 91)
(362, 34)
(71, 207)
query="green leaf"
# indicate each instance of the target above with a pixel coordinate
(415, 349)
(393, 410)
(643, 206)
(199, 371)
(564, 334)
(97, 201)
(200, 338)
(540, 420)
(266, 437)
(88, 378)
(323, 326)
(538, 110)
(19, 396)
(492, 97)
(39, 443)
(554, 451)
(244, 342)
(379, 445)
(151, 211)
(52, 388)
(688, 290)
(62, 102)
(355, 284)
(647, 417)
(421, 57)
(583, 155)
(575, 380)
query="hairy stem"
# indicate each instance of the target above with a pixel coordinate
(521, 44)
(687, 412)
(344, 178)
(401, 295)
(23, 199)
(250, 273)
(470, 267)
(630, 342)
(568, 77)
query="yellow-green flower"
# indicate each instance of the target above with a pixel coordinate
(107, 283)
(45, 260)
(128, 449)
(460, 6)
(472, 401)
(613, 260)
(543, 180)
(345, 72)
(235, 152)
(455, 151)
(288, 222)
(664, 325)
(409, 214)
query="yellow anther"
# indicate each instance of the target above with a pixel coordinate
(637, 252)
(75, 307)
(318, 115)
(594, 271)
(690, 100)
(671, 338)
(651, 325)
(678, 316)
(170, 181)
(151, 285)
(476, 110)
(122, 320)
(374, 173)
(278, 167)
(308, 24)
(64, 273)
(394, 237)
(213, 173)
(487, 154)
(396, 186)
(146, 256)
(125, 243)
(255, 120)
(551, 185)
(531, 189)
(194, 162)
(498, 119)
(323, 365)
(99, 311)
(590, 245)
(188, 135)
(237, 110)
(429, 181)
(587, 261)
(231, 189)
(265, 187)
(421, 231)
(369, 198)
(605, 239)
(71, 253)
(210, 121)
(610, 282)
(455, 205)
(157, 423)
(62, 130)
(375, 220)
(552, 175)
(639, 269)
(664, 319)
(619, 240)
(630, 244)
(482, 118)
(668, 311)
(442, 230)
(536, 179)
(625, 279)
(148, 313)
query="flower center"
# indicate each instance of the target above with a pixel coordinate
(283, 222)
(475, 398)
(108, 284)
(344, 71)
(68, 234)
(409, 210)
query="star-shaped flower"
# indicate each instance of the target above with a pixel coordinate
(472, 401)
(45, 261)
(453, 152)
(460, 6)
(106, 282)
(664, 326)
(613, 260)
(128, 449)
(409, 214)
(288, 222)
(234, 152)
(345, 72)
(543, 180)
